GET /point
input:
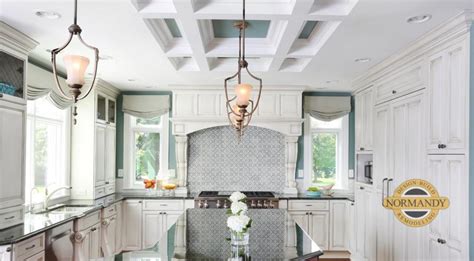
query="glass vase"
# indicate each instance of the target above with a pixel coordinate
(239, 246)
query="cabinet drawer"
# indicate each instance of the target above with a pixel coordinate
(109, 211)
(163, 205)
(29, 247)
(110, 189)
(37, 257)
(10, 217)
(304, 205)
(87, 221)
(99, 192)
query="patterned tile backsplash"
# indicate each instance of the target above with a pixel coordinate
(217, 161)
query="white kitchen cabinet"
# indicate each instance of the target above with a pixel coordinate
(109, 234)
(37, 257)
(364, 225)
(12, 150)
(132, 217)
(350, 221)
(381, 145)
(152, 221)
(338, 225)
(120, 227)
(364, 116)
(448, 236)
(100, 153)
(316, 224)
(384, 219)
(5, 253)
(94, 147)
(87, 237)
(448, 100)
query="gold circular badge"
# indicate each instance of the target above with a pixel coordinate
(416, 202)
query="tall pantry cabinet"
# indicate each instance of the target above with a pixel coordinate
(14, 49)
(94, 150)
(420, 130)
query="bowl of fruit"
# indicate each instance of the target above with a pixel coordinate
(313, 192)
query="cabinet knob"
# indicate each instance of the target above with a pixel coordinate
(361, 148)
(361, 188)
(1, 95)
(93, 229)
(307, 213)
(393, 91)
(441, 241)
(441, 146)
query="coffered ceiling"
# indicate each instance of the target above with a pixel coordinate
(155, 44)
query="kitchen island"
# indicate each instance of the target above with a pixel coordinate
(202, 234)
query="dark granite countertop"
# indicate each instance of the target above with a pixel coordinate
(35, 224)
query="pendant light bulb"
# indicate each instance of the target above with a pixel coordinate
(76, 66)
(243, 92)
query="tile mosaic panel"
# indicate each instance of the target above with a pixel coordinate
(217, 161)
(207, 232)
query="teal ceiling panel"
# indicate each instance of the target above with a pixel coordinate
(226, 29)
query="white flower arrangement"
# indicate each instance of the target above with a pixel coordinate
(238, 208)
(238, 221)
(237, 196)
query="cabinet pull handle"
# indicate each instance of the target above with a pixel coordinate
(361, 148)
(8, 248)
(361, 188)
(383, 190)
(311, 213)
(307, 213)
(93, 229)
(309, 205)
(388, 185)
(30, 247)
(10, 217)
(139, 201)
(441, 146)
(393, 91)
(163, 205)
(111, 210)
(441, 241)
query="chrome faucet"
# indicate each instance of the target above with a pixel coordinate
(49, 195)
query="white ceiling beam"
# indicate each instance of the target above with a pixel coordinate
(291, 32)
(191, 32)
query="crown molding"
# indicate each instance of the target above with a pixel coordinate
(194, 88)
(15, 39)
(455, 28)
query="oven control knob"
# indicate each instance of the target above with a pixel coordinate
(218, 204)
(225, 204)
(205, 204)
(259, 204)
(265, 204)
(199, 204)
(252, 205)
(271, 204)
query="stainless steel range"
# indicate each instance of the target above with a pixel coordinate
(220, 199)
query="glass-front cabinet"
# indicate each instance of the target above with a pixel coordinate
(106, 109)
(12, 76)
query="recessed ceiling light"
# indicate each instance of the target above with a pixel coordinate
(48, 50)
(419, 19)
(362, 60)
(131, 80)
(48, 14)
(148, 87)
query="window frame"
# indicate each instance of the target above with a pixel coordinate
(129, 147)
(342, 151)
(65, 194)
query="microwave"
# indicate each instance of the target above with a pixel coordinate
(368, 170)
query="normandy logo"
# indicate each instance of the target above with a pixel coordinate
(416, 202)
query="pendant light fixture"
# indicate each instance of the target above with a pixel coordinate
(76, 66)
(241, 107)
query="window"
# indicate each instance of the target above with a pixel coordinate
(146, 149)
(326, 152)
(47, 147)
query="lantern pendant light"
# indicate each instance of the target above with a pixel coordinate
(76, 66)
(241, 107)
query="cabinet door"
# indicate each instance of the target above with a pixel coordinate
(95, 242)
(301, 219)
(118, 233)
(100, 155)
(82, 249)
(381, 145)
(338, 225)
(364, 227)
(169, 219)
(319, 228)
(111, 111)
(383, 224)
(449, 175)
(12, 147)
(368, 119)
(437, 93)
(152, 224)
(109, 233)
(110, 155)
(132, 216)
(359, 120)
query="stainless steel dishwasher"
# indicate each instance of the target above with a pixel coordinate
(59, 245)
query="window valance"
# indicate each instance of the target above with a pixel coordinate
(41, 83)
(146, 106)
(327, 108)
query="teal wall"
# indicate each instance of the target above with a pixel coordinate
(471, 152)
(300, 160)
(119, 155)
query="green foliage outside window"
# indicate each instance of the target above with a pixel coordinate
(147, 151)
(324, 158)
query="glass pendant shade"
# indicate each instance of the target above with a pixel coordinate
(243, 92)
(76, 66)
